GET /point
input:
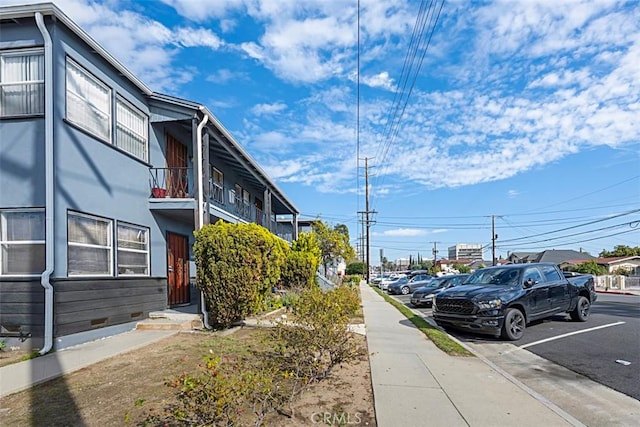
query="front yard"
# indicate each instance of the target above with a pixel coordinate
(126, 389)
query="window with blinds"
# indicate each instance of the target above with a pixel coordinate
(21, 83)
(22, 242)
(88, 101)
(131, 130)
(133, 250)
(90, 245)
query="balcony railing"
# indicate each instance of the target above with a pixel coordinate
(216, 192)
(174, 183)
(243, 208)
(169, 182)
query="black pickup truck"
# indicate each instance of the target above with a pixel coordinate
(501, 300)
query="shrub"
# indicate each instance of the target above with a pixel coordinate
(259, 380)
(318, 338)
(352, 279)
(299, 270)
(308, 242)
(237, 266)
(622, 271)
(290, 299)
(355, 268)
(219, 393)
(589, 267)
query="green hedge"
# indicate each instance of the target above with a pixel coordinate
(238, 265)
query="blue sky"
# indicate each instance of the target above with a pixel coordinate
(525, 110)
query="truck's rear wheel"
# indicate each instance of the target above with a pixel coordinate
(581, 312)
(514, 324)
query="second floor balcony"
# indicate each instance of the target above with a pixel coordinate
(172, 193)
(170, 183)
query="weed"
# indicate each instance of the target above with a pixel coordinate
(30, 356)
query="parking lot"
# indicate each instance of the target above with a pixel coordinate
(605, 349)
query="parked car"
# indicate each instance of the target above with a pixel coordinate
(423, 296)
(384, 285)
(417, 272)
(502, 300)
(405, 288)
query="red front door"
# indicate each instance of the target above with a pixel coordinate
(177, 181)
(178, 269)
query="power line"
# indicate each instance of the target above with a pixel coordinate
(572, 227)
(401, 96)
(592, 239)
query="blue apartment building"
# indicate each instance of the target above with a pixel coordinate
(102, 183)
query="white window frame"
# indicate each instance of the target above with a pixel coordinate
(5, 242)
(89, 110)
(217, 184)
(4, 83)
(141, 136)
(144, 230)
(108, 246)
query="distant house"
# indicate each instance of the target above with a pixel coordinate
(521, 257)
(556, 256)
(102, 184)
(612, 264)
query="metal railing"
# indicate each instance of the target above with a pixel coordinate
(242, 208)
(169, 182)
(216, 192)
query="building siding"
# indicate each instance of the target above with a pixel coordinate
(83, 305)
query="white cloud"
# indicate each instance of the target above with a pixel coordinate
(268, 109)
(512, 194)
(202, 10)
(408, 232)
(381, 80)
(540, 81)
(224, 75)
(283, 169)
(405, 232)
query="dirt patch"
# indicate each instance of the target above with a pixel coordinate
(121, 390)
(8, 356)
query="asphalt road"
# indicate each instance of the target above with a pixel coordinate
(605, 349)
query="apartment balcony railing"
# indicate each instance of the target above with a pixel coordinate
(243, 208)
(217, 193)
(175, 183)
(169, 182)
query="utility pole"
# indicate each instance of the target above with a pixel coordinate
(494, 237)
(435, 253)
(361, 239)
(368, 220)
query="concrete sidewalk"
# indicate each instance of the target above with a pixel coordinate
(416, 384)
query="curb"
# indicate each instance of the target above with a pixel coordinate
(615, 293)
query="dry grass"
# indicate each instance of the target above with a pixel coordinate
(121, 390)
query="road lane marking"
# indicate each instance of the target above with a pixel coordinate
(570, 333)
